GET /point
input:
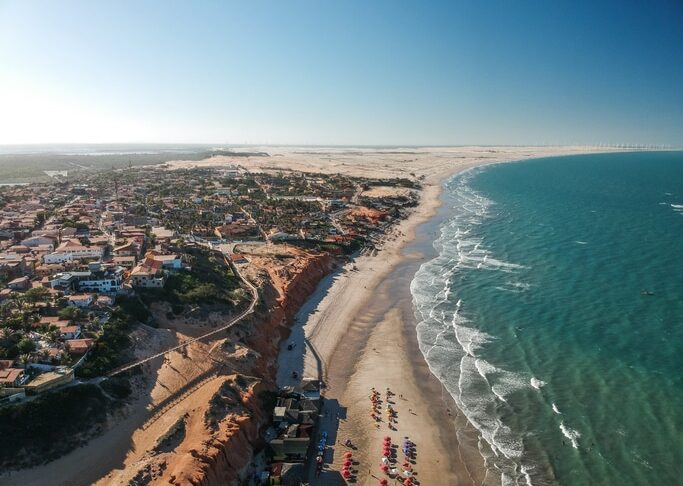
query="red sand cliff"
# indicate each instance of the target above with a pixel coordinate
(215, 454)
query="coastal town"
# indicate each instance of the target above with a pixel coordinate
(86, 260)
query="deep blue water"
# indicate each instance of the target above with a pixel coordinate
(537, 316)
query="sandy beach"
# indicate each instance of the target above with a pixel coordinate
(358, 332)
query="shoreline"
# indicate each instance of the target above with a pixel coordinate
(361, 325)
(378, 329)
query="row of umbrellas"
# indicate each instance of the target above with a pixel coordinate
(346, 467)
(408, 449)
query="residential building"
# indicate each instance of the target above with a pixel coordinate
(71, 250)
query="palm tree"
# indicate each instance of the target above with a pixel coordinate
(25, 359)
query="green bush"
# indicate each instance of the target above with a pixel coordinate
(109, 351)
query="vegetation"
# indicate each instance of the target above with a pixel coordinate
(51, 425)
(210, 281)
(111, 349)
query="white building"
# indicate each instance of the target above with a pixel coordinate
(73, 250)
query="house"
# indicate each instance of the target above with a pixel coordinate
(105, 300)
(127, 250)
(71, 250)
(147, 276)
(10, 377)
(125, 261)
(96, 279)
(168, 262)
(79, 346)
(21, 283)
(81, 300)
(108, 280)
(71, 332)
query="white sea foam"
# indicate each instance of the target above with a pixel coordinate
(452, 345)
(556, 410)
(571, 434)
(536, 383)
(677, 206)
(525, 472)
(579, 242)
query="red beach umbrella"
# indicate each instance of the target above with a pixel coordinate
(384, 467)
(347, 463)
(408, 482)
(387, 439)
(346, 473)
(383, 482)
(347, 455)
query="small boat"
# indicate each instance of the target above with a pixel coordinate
(647, 292)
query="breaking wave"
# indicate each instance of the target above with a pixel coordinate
(452, 344)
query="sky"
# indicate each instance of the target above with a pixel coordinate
(342, 72)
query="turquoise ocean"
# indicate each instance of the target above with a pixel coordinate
(552, 312)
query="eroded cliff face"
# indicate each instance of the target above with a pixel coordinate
(220, 436)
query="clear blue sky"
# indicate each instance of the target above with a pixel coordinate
(345, 72)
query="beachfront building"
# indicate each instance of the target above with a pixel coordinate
(295, 417)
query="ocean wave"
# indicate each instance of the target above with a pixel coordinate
(571, 434)
(579, 242)
(451, 343)
(515, 287)
(536, 383)
(556, 410)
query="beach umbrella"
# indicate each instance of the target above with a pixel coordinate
(384, 467)
(387, 438)
(383, 482)
(385, 460)
(408, 482)
(407, 474)
(347, 463)
(347, 455)
(346, 474)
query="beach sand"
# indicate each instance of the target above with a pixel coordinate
(358, 331)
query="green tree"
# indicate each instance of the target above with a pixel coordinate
(69, 313)
(26, 346)
(36, 294)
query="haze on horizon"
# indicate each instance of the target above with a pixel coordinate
(343, 73)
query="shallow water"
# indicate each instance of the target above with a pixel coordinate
(533, 316)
